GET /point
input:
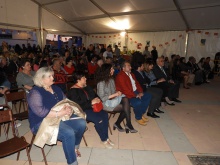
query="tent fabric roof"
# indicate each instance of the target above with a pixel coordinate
(110, 16)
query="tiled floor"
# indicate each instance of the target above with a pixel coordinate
(190, 127)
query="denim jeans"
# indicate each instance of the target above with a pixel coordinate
(100, 119)
(70, 133)
(140, 105)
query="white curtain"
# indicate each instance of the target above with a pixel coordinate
(39, 40)
(207, 49)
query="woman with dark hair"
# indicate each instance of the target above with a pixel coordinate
(69, 68)
(86, 98)
(25, 77)
(107, 92)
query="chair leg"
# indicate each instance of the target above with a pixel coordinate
(42, 150)
(32, 140)
(84, 139)
(45, 160)
(109, 124)
(28, 155)
(18, 155)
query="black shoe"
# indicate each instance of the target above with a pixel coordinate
(120, 129)
(158, 110)
(198, 83)
(176, 100)
(170, 103)
(130, 129)
(153, 115)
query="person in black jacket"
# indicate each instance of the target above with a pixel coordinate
(173, 87)
(86, 98)
(155, 92)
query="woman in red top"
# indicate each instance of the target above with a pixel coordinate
(69, 68)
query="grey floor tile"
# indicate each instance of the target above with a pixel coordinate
(179, 143)
(153, 158)
(110, 157)
(86, 153)
(169, 126)
(35, 154)
(56, 154)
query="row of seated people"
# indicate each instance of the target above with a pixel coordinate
(187, 72)
(107, 89)
(190, 72)
(44, 95)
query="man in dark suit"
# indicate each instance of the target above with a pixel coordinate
(154, 54)
(126, 82)
(173, 87)
(155, 92)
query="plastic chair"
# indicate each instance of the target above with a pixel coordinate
(14, 144)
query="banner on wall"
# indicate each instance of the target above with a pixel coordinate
(139, 46)
(203, 41)
(148, 43)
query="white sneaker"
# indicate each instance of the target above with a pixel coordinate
(17, 125)
(107, 144)
(110, 142)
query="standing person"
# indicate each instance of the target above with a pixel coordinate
(154, 54)
(117, 51)
(146, 52)
(90, 53)
(40, 101)
(86, 98)
(106, 91)
(126, 83)
(25, 77)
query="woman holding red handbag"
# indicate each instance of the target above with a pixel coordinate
(87, 98)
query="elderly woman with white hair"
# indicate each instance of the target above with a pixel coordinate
(43, 96)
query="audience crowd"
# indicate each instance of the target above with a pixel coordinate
(89, 76)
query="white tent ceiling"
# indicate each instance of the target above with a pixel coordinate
(110, 16)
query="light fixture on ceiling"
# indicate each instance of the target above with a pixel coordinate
(122, 33)
(53, 30)
(120, 25)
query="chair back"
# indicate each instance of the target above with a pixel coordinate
(5, 116)
(15, 95)
(14, 144)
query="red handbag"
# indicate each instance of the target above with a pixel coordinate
(97, 107)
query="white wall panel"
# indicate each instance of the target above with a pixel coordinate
(20, 12)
